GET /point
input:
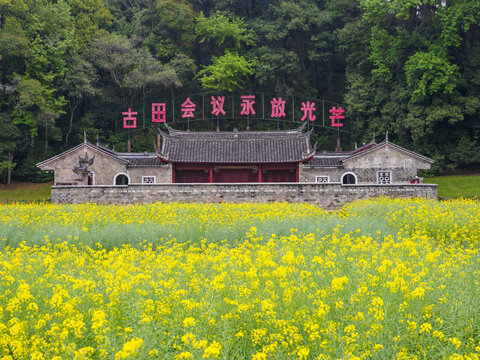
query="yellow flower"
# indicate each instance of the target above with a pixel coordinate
(187, 338)
(455, 342)
(184, 355)
(189, 321)
(302, 352)
(339, 282)
(259, 356)
(425, 327)
(212, 350)
(129, 348)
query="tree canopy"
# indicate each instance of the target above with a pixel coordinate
(409, 67)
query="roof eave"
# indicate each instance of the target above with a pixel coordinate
(94, 147)
(397, 147)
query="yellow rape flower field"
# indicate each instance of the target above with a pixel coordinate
(378, 279)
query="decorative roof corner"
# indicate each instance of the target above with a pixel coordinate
(301, 127)
(163, 134)
(310, 155)
(172, 131)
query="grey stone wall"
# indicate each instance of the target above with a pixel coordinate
(162, 174)
(307, 174)
(329, 196)
(365, 167)
(104, 168)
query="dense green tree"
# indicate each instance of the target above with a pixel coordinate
(79, 81)
(227, 73)
(409, 67)
(225, 37)
(133, 71)
(90, 17)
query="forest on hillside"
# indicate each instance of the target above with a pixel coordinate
(411, 67)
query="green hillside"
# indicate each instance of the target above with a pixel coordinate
(456, 186)
(22, 191)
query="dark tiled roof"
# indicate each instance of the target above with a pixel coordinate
(236, 146)
(141, 159)
(104, 148)
(101, 149)
(335, 159)
(364, 147)
(324, 160)
(387, 143)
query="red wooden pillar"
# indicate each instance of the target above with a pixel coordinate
(297, 173)
(259, 173)
(211, 174)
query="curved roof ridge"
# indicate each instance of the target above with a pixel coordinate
(236, 147)
(172, 131)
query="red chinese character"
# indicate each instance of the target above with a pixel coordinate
(188, 108)
(308, 108)
(336, 115)
(128, 118)
(278, 107)
(217, 105)
(159, 112)
(247, 104)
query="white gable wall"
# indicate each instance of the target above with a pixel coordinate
(104, 167)
(404, 166)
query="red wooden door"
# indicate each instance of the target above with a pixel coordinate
(235, 176)
(191, 176)
(287, 175)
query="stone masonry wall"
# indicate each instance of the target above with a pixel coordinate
(163, 174)
(328, 196)
(307, 174)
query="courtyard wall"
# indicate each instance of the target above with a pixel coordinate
(328, 196)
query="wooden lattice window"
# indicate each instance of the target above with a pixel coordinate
(384, 177)
(322, 179)
(148, 179)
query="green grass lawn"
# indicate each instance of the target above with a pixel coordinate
(456, 186)
(24, 191)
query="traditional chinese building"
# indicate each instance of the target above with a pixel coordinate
(237, 157)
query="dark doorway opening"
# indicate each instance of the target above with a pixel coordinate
(348, 179)
(121, 180)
